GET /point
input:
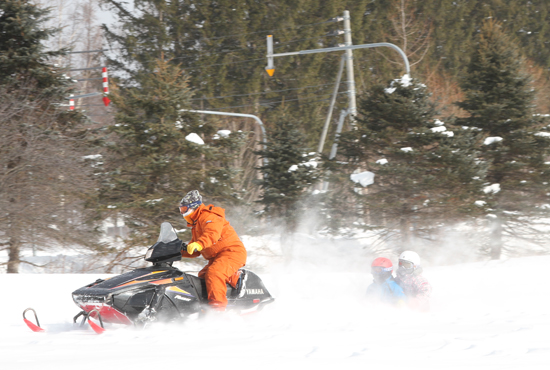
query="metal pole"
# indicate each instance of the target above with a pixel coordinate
(258, 120)
(343, 115)
(332, 101)
(349, 67)
(83, 96)
(352, 47)
(86, 51)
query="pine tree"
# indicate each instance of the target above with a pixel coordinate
(289, 170)
(416, 159)
(45, 179)
(159, 151)
(24, 61)
(512, 139)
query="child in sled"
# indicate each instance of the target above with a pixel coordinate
(384, 288)
(414, 284)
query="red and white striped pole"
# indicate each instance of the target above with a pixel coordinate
(71, 103)
(106, 100)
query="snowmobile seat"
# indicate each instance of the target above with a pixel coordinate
(200, 286)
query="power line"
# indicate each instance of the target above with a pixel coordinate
(267, 103)
(265, 31)
(258, 93)
(279, 44)
(223, 64)
(249, 33)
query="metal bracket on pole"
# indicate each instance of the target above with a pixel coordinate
(83, 96)
(351, 47)
(258, 120)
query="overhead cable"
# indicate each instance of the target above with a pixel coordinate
(259, 93)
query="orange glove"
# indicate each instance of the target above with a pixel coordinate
(192, 247)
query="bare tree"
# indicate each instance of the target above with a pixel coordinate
(411, 34)
(44, 178)
(79, 25)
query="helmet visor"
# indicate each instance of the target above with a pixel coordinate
(184, 208)
(375, 270)
(407, 265)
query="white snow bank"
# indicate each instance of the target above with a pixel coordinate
(483, 317)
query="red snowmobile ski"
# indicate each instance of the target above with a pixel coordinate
(37, 328)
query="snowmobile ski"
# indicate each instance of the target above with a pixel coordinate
(94, 313)
(34, 327)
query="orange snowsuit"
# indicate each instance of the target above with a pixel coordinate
(221, 247)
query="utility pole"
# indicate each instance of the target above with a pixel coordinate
(347, 48)
(349, 67)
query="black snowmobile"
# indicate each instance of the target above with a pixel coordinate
(161, 292)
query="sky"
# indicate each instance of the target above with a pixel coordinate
(484, 315)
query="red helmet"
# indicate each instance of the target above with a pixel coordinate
(381, 269)
(382, 263)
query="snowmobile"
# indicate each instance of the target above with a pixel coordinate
(160, 292)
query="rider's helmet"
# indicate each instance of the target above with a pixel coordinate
(190, 202)
(381, 269)
(408, 262)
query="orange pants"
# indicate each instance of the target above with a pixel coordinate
(219, 271)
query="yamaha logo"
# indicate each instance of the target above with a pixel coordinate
(255, 291)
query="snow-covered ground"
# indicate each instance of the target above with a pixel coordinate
(491, 315)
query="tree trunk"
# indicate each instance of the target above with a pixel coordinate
(496, 238)
(13, 261)
(405, 230)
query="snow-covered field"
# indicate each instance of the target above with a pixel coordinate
(492, 315)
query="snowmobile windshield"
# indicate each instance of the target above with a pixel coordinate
(167, 233)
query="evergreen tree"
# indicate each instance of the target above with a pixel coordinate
(288, 171)
(45, 180)
(159, 152)
(423, 174)
(512, 139)
(23, 58)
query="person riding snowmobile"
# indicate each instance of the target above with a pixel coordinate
(216, 240)
(409, 277)
(384, 288)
